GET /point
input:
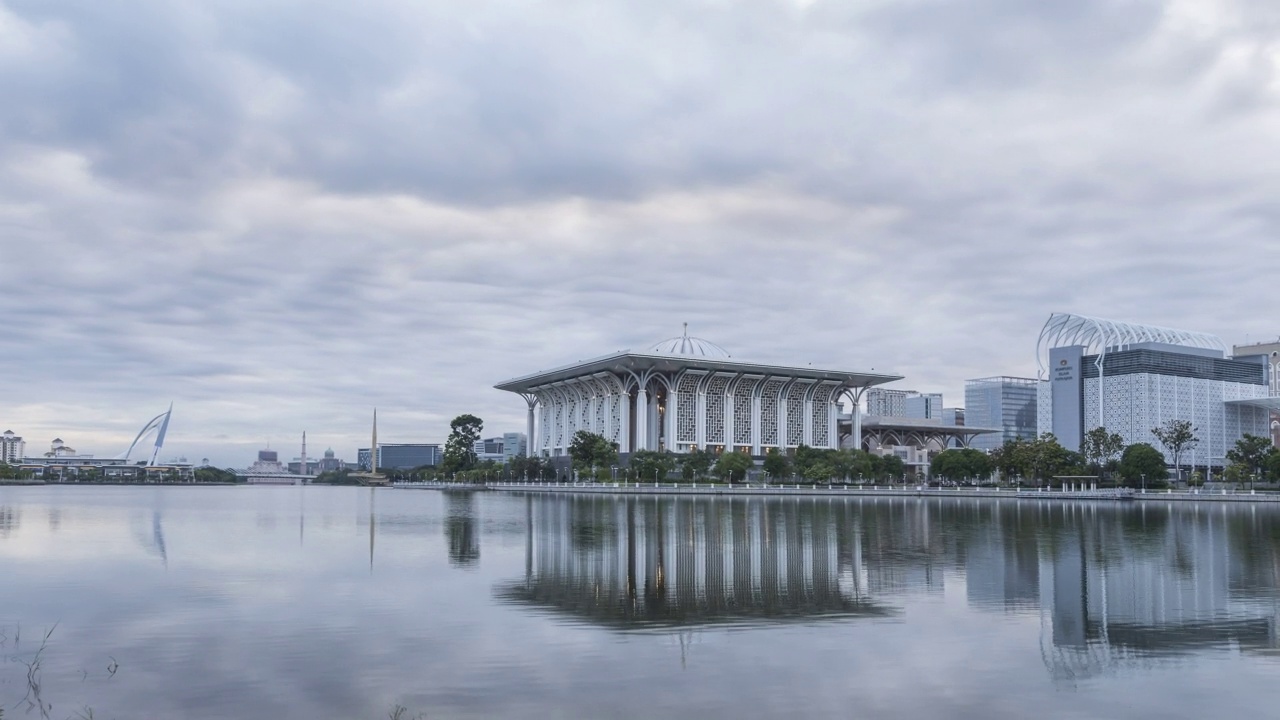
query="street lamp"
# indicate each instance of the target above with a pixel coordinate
(614, 469)
(1144, 483)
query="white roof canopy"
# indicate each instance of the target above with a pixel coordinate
(1098, 335)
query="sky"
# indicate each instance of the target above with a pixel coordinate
(278, 215)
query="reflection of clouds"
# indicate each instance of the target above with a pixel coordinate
(247, 623)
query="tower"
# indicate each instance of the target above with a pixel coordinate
(303, 469)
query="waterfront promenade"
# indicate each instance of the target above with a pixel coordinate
(800, 490)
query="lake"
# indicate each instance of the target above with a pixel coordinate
(311, 602)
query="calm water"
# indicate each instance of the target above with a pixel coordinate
(343, 602)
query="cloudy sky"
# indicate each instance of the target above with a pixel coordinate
(279, 214)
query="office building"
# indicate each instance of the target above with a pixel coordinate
(402, 456)
(1007, 403)
(1131, 378)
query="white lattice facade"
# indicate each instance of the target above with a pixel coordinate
(686, 394)
(692, 408)
(1134, 404)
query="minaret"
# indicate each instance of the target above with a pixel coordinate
(373, 446)
(303, 469)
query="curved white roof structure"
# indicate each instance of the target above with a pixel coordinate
(690, 346)
(1099, 335)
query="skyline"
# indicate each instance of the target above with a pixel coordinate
(259, 213)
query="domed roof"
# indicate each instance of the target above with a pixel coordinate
(686, 345)
(328, 453)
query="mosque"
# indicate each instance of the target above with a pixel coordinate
(687, 393)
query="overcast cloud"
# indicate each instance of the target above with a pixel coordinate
(279, 214)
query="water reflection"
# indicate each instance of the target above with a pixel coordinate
(644, 562)
(460, 528)
(1112, 585)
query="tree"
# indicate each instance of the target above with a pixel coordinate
(776, 464)
(460, 448)
(1177, 436)
(733, 466)
(696, 464)
(890, 466)
(1142, 463)
(966, 463)
(652, 465)
(1101, 446)
(1251, 453)
(592, 451)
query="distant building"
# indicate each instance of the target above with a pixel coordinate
(885, 402)
(1130, 378)
(489, 449)
(923, 406)
(58, 449)
(514, 444)
(1008, 403)
(501, 449)
(315, 466)
(268, 470)
(403, 456)
(12, 448)
(1267, 353)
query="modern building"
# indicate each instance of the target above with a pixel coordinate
(1007, 403)
(1131, 378)
(12, 448)
(402, 456)
(924, 406)
(490, 449)
(501, 449)
(686, 393)
(1268, 353)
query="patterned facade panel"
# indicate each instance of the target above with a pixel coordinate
(1135, 404)
(545, 420)
(615, 417)
(742, 410)
(769, 412)
(795, 414)
(599, 423)
(822, 415)
(687, 408)
(716, 388)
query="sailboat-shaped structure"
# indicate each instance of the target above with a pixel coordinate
(373, 477)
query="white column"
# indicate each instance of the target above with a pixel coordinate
(642, 419)
(529, 439)
(856, 423)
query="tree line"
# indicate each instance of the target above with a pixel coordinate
(1105, 455)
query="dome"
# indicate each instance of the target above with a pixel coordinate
(328, 453)
(693, 346)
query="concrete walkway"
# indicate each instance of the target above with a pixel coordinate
(789, 490)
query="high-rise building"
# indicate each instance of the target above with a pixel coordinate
(885, 402)
(12, 448)
(514, 444)
(1132, 378)
(923, 406)
(1008, 403)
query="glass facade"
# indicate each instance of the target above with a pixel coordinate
(1008, 403)
(1156, 362)
(401, 456)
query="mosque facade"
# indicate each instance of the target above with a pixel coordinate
(686, 393)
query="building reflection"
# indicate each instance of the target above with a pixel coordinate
(1114, 585)
(646, 562)
(460, 528)
(1159, 585)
